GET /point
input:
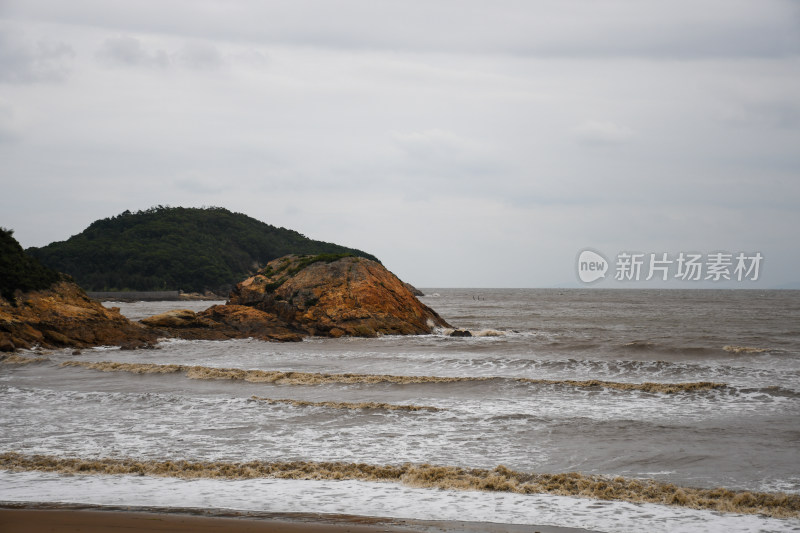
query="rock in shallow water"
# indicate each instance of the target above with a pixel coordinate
(296, 296)
(63, 316)
(336, 296)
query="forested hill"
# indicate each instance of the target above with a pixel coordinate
(175, 248)
(19, 271)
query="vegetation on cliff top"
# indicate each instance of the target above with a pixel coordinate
(176, 248)
(19, 271)
(291, 265)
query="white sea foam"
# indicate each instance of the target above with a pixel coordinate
(543, 432)
(743, 436)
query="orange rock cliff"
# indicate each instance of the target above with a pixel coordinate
(335, 296)
(63, 316)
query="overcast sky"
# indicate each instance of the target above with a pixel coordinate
(464, 143)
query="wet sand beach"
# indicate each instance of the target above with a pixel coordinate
(88, 519)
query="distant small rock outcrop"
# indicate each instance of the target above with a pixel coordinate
(415, 291)
(221, 322)
(334, 295)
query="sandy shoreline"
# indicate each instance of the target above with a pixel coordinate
(72, 518)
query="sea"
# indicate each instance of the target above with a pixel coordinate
(552, 381)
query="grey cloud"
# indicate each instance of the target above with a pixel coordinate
(127, 51)
(201, 56)
(432, 144)
(253, 58)
(678, 29)
(542, 125)
(441, 155)
(200, 185)
(769, 114)
(7, 132)
(600, 133)
(23, 62)
(7, 135)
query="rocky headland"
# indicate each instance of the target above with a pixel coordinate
(313, 295)
(290, 298)
(40, 307)
(330, 295)
(63, 316)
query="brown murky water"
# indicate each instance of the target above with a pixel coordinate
(689, 390)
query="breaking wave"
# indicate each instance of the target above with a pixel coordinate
(314, 378)
(647, 346)
(743, 349)
(445, 332)
(15, 359)
(349, 405)
(499, 479)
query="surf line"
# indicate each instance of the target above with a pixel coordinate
(313, 378)
(349, 405)
(499, 479)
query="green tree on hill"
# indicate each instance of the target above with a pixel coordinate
(175, 248)
(19, 271)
